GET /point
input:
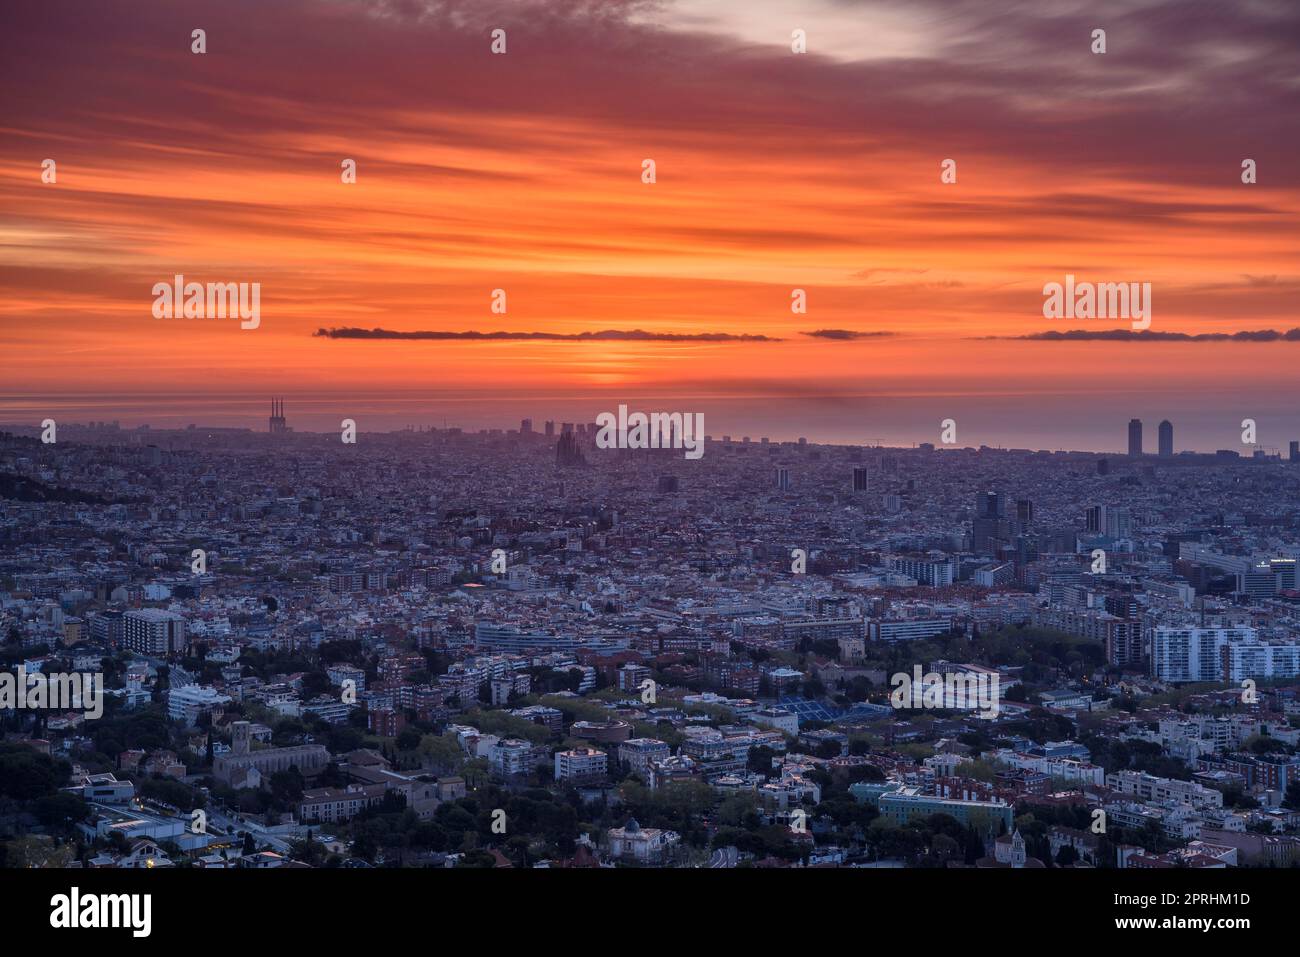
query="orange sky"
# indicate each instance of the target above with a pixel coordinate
(522, 172)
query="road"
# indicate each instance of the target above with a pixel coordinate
(724, 857)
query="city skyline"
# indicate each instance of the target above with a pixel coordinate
(307, 639)
(321, 422)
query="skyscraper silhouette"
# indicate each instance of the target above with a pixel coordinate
(1166, 439)
(1134, 436)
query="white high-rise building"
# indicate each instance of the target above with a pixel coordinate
(1261, 659)
(1192, 653)
(153, 631)
(581, 764)
(187, 702)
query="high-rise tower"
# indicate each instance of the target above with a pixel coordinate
(1166, 439)
(1134, 436)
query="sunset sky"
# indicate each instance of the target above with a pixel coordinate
(522, 171)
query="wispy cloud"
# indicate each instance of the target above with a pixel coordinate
(1128, 335)
(847, 334)
(603, 335)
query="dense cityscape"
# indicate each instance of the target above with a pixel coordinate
(820, 448)
(517, 648)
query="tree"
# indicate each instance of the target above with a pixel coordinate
(760, 760)
(287, 786)
(739, 811)
(38, 851)
(60, 810)
(1016, 693)
(475, 771)
(365, 847)
(170, 792)
(443, 751)
(1263, 744)
(865, 772)
(1292, 799)
(308, 851)
(827, 750)
(26, 774)
(944, 848)
(315, 684)
(477, 858)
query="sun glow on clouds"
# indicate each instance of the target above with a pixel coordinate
(522, 172)
(838, 30)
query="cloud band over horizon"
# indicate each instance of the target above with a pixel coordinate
(1148, 335)
(603, 335)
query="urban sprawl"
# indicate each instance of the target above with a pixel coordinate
(516, 648)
